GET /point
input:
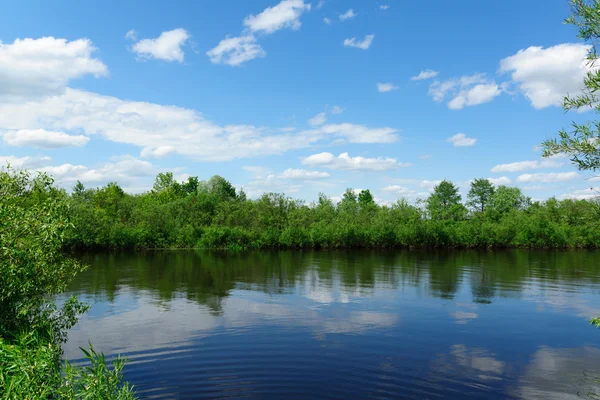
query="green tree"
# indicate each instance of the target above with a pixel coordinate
(220, 187)
(582, 143)
(444, 202)
(507, 198)
(365, 199)
(163, 181)
(34, 219)
(480, 194)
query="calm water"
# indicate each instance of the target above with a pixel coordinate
(427, 324)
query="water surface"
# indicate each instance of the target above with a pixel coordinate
(345, 325)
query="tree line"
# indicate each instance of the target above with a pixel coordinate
(213, 214)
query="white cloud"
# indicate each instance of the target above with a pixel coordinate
(38, 67)
(386, 87)
(461, 140)
(503, 180)
(318, 119)
(478, 94)
(363, 44)
(41, 138)
(345, 162)
(131, 35)
(583, 194)
(545, 76)
(384, 7)
(468, 90)
(302, 174)
(399, 190)
(157, 152)
(525, 165)
(337, 110)
(159, 130)
(320, 4)
(165, 47)
(24, 162)
(429, 185)
(548, 177)
(286, 14)
(355, 133)
(348, 15)
(425, 74)
(425, 156)
(327, 20)
(125, 169)
(235, 51)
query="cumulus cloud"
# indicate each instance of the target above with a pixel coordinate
(39, 67)
(478, 94)
(525, 165)
(345, 162)
(384, 7)
(386, 87)
(429, 185)
(468, 90)
(425, 74)
(348, 15)
(318, 119)
(124, 169)
(398, 190)
(166, 47)
(360, 44)
(237, 50)
(159, 130)
(355, 133)
(503, 180)
(548, 177)
(24, 162)
(302, 174)
(327, 20)
(286, 14)
(546, 75)
(288, 181)
(41, 138)
(461, 140)
(584, 194)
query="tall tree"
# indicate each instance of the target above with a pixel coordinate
(509, 198)
(365, 199)
(582, 143)
(444, 202)
(480, 194)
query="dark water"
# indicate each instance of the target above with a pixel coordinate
(280, 325)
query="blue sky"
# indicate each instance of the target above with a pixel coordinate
(292, 96)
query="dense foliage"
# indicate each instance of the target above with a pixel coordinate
(33, 223)
(213, 215)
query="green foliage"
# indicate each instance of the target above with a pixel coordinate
(34, 220)
(480, 194)
(582, 143)
(595, 322)
(444, 202)
(214, 216)
(95, 381)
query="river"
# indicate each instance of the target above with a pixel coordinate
(346, 324)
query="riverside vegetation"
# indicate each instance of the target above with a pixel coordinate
(212, 214)
(33, 223)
